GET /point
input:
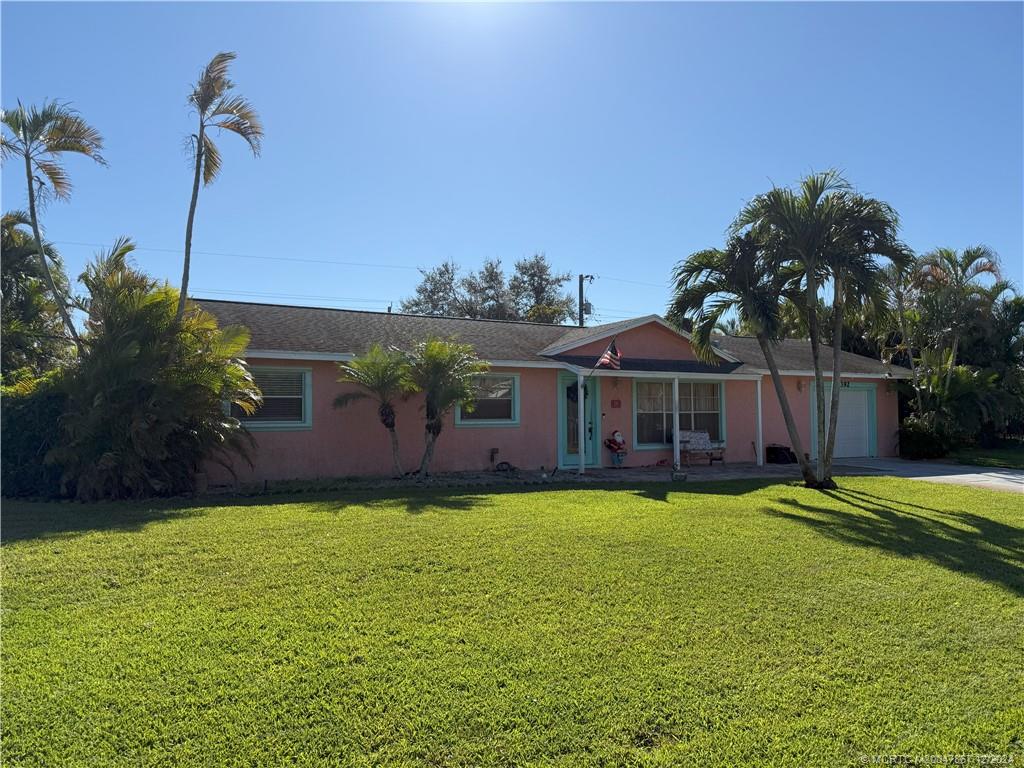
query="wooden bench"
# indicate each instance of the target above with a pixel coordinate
(693, 444)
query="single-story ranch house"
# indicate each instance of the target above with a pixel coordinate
(530, 413)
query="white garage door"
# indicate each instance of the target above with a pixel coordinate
(852, 430)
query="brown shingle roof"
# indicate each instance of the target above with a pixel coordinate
(336, 331)
(285, 328)
(795, 355)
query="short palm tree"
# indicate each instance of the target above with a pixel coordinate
(40, 136)
(384, 376)
(33, 334)
(444, 371)
(743, 278)
(899, 285)
(953, 276)
(216, 108)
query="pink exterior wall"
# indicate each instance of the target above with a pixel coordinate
(351, 441)
(648, 341)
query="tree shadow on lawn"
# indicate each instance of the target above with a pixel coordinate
(986, 548)
(26, 520)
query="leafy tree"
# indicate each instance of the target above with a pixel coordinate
(487, 296)
(384, 376)
(146, 399)
(829, 232)
(952, 278)
(536, 292)
(216, 108)
(40, 136)
(444, 372)
(33, 338)
(439, 293)
(531, 293)
(743, 278)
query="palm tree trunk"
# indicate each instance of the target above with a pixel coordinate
(901, 308)
(787, 413)
(62, 307)
(428, 453)
(952, 361)
(819, 379)
(837, 339)
(394, 452)
(183, 297)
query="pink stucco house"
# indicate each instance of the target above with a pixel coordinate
(530, 413)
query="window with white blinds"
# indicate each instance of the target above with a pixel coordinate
(286, 398)
(700, 409)
(497, 402)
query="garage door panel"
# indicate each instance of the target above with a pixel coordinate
(853, 433)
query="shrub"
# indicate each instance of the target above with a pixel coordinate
(147, 401)
(920, 439)
(30, 414)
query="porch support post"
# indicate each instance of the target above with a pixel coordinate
(759, 442)
(675, 423)
(581, 419)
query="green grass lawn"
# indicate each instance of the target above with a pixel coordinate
(1008, 456)
(727, 624)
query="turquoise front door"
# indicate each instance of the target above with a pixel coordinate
(568, 421)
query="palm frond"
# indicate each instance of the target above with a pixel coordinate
(211, 160)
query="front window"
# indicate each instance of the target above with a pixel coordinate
(700, 410)
(497, 402)
(286, 399)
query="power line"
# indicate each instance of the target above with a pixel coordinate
(301, 259)
(379, 265)
(269, 295)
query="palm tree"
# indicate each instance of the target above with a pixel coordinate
(32, 329)
(898, 281)
(444, 371)
(40, 136)
(216, 108)
(744, 278)
(952, 275)
(801, 226)
(383, 375)
(864, 229)
(828, 231)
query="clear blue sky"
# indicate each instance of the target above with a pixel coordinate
(615, 138)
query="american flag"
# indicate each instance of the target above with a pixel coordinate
(611, 358)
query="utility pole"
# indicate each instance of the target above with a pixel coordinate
(581, 302)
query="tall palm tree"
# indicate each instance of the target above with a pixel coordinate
(216, 108)
(864, 230)
(801, 225)
(744, 277)
(444, 371)
(953, 276)
(829, 231)
(384, 376)
(40, 136)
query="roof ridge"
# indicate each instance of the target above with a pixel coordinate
(393, 314)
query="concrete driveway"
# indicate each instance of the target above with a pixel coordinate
(936, 472)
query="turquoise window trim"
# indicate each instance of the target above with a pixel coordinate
(668, 446)
(475, 423)
(866, 386)
(307, 403)
(596, 458)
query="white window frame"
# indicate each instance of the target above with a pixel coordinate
(461, 421)
(264, 425)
